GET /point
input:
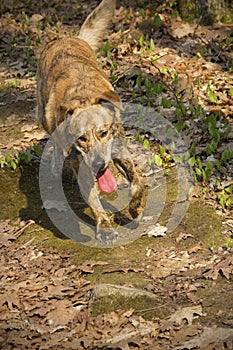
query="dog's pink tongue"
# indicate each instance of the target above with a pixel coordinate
(106, 181)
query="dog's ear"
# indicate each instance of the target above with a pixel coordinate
(110, 96)
(63, 113)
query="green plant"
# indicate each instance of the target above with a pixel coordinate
(128, 16)
(146, 44)
(217, 134)
(146, 144)
(11, 162)
(141, 41)
(202, 173)
(226, 155)
(161, 159)
(74, 32)
(224, 200)
(166, 103)
(79, 6)
(25, 158)
(143, 13)
(180, 113)
(228, 243)
(20, 159)
(106, 49)
(211, 94)
(225, 197)
(228, 41)
(164, 70)
(198, 82)
(157, 20)
(155, 160)
(15, 82)
(152, 45)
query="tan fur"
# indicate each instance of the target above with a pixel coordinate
(94, 28)
(72, 89)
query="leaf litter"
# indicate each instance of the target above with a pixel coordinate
(44, 298)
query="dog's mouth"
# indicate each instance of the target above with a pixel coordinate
(106, 181)
(105, 178)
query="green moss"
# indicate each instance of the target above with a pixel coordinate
(141, 305)
(14, 132)
(11, 199)
(217, 299)
(135, 279)
(203, 223)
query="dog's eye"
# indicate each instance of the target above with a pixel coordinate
(69, 113)
(103, 134)
(82, 139)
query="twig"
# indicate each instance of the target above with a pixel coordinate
(197, 26)
(19, 232)
(128, 335)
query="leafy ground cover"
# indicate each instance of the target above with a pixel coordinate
(164, 290)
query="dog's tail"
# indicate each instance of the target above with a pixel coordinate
(95, 26)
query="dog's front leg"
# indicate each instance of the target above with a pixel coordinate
(126, 166)
(105, 233)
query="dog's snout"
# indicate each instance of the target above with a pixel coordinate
(98, 163)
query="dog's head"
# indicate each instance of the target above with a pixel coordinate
(97, 133)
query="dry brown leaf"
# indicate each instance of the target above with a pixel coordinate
(10, 300)
(187, 313)
(195, 248)
(224, 267)
(210, 337)
(185, 333)
(87, 267)
(61, 314)
(183, 236)
(124, 269)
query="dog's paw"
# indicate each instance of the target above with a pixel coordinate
(106, 235)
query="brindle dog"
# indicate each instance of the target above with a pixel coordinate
(73, 94)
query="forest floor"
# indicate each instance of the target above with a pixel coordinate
(166, 284)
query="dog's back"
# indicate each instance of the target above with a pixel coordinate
(68, 68)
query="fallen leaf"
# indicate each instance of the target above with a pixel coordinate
(185, 333)
(224, 267)
(210, 336)
(183, 236)
(186, 313)
(61, 314)
(157, 231)
(124, 269)
(11, 300)
(195, 248)
(29, 127)
(87, 267)
(183, 29)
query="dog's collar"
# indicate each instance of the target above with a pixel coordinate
(72, 153)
